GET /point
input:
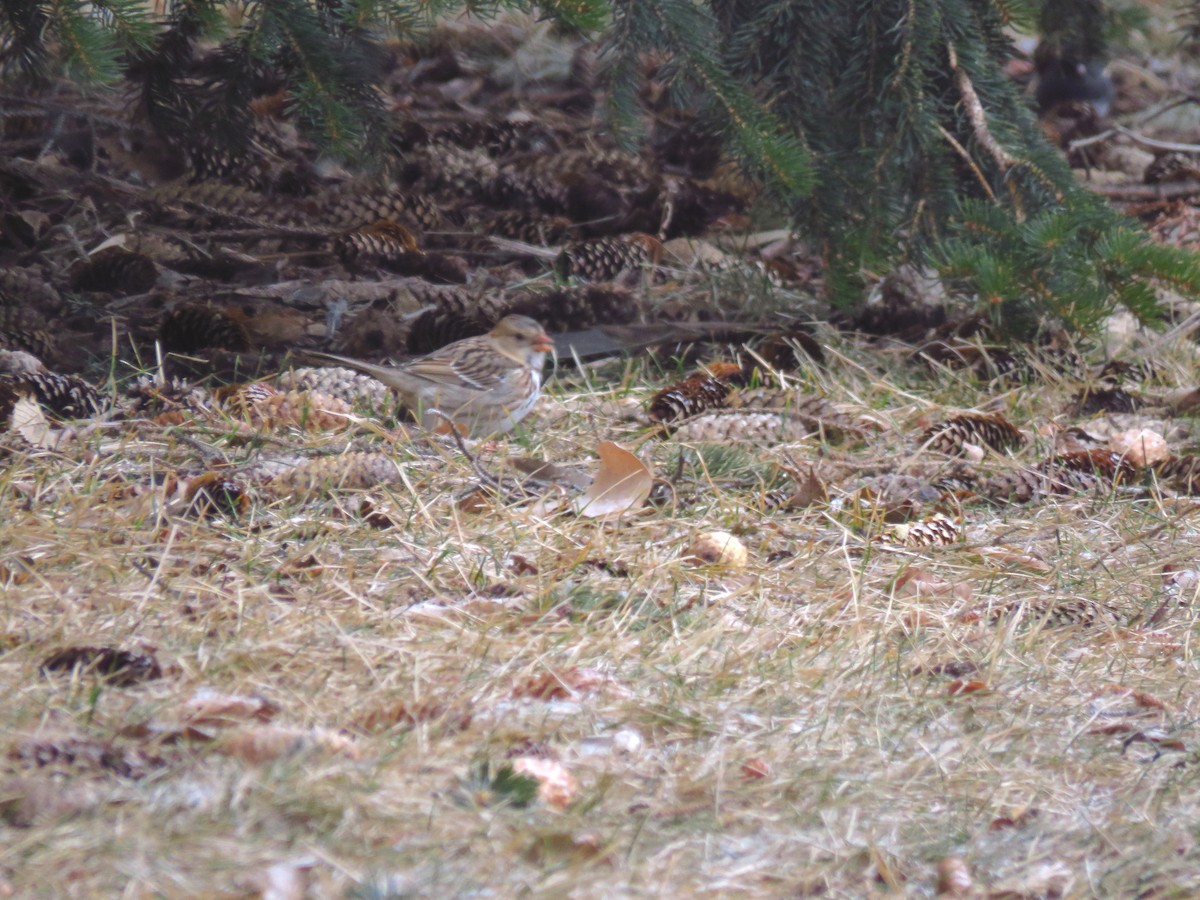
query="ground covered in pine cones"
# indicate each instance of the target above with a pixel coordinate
(853, 606)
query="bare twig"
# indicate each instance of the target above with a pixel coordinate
(978, 118)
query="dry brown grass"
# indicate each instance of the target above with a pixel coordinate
(792, 728)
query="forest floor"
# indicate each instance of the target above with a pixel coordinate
(870, 610)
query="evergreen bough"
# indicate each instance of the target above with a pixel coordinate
(887, 128)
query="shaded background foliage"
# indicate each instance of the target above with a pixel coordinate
(888, 131)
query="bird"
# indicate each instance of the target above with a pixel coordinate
(482, 385)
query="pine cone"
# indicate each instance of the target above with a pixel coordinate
(499, 137)
(892, 497)
(1180, 473)
(570, 307)
(354, 388)
(523, 225)
(982, 361)
(1020, 486)
(1169, 168)
(214, 494)
(1104, 398)
(325, 474)
(115, 270)
(759, 429)
(936, 531)
(381, 243)
(211, 201)
(444, 167)
(65, 396)
(1060, 612)
(187, 329)
(352, 206)
(993, 430)
(23, 329)
(610, 258)
(261, 405)
(700, 391)
(835, 422)
(1085, 469)
(26, 288)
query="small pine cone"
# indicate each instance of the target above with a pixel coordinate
(189, 328)
(291, 409)
(980, 360)
(1060, 612)
(1020, 486)
(306, 409)
(117, 271)
(779, 351)
(241, 399)
(746, 428)
(25, 288)
(993, 431)
(210, 201)
(892, 496)
(323, 475)
(358, 390)
(608, 258)
(1085, 469)
(209, 162)
(837, 423)
(212, 495)
(1172, 167)
(1180, 473)
(530, 227)
(379, 243)
(441, 166)
(439, 268)
(499, 137)
(958, 478)
(25, 337)
(434, 329)
(573, 307)
(1118, 371)
(531, 184)
(1104, 398)
(703, 390)
(936, 531)
(352, 206)
(65, 396)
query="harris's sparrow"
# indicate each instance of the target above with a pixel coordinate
(484, 385)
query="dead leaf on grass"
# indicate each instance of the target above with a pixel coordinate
(621, 485)
(917, 582)
(1046, 880)
(1006, 556)
(270, 742)
(755, 768)
(30, 422)
(208, 707)
(1139, 698)
(565, 684)
(959, 687)
(1017, 818)
(410, 713)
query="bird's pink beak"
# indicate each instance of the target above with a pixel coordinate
(543, 343)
